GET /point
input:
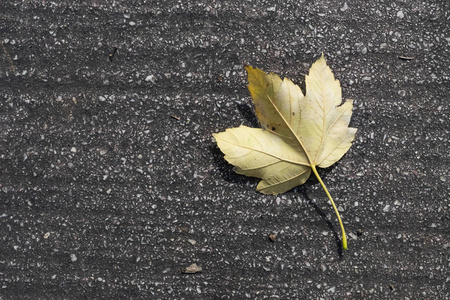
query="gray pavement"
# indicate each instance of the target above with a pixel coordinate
(111, 184)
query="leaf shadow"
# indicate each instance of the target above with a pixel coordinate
(248, 113)
(303, 190)
(226, 170)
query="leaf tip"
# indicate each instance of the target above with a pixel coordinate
(322, 58)
(248, 68)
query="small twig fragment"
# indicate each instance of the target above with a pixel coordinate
(175, 117)
(111, 55)
(8, 57)
(406, 57)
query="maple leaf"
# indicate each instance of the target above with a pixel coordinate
(299, 132)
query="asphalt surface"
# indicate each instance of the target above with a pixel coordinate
(111, 183)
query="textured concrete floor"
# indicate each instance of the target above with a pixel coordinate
(111, 183)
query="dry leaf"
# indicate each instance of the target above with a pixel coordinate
(192, 269)
(299, 132)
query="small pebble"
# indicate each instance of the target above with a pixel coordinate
(352, 235)
(272, 237)
(150, 78)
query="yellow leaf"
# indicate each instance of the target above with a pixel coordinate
(299, 132)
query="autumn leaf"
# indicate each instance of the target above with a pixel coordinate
(299, 132)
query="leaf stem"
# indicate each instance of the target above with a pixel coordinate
(344, 237)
